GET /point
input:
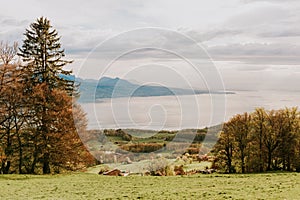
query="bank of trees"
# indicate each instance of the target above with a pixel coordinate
(37, 111)
(264, 140)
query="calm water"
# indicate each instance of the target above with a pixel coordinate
(170, 112)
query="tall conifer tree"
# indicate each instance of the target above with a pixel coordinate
(44, 75)
(44, 57)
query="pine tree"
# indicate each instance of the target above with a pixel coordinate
(43, 55)
(37, 129)
(44, 74)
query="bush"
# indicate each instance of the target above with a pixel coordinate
(169, 170)
(192, 150)
(142, 147)
(103, 168)
(158, 167)
(118, 133)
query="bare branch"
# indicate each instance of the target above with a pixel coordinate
(7, 52)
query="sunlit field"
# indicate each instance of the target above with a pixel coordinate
(93, 186)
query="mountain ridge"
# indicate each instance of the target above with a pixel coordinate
(108, 87)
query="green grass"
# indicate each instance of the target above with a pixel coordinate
(92, 186)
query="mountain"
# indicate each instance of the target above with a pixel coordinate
(107, 87)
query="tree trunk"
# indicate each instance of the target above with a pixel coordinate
(33, 164)
(20, 160)
(243, 164)
(8, 154)
(20, 155)
(46, 164)
(5, 167)
(284, 162)
(261, 168)
(229, 161)
(269, 160)
(288, 167)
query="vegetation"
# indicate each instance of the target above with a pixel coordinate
(260, 141)
(158, 139)
(94, 186)
(117, 145)
(37, 130)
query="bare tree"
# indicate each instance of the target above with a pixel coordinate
(7, 52)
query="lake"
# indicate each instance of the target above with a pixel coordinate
(180, 112)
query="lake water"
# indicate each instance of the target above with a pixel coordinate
(179, 112)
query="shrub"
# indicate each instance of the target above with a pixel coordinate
(142, 147)
(103, 168)
(158, 166)
(169, 170)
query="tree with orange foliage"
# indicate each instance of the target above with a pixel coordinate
(39, 118)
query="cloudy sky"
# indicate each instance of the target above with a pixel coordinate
(249, 44)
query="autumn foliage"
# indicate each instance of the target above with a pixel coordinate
(38, 133)
(265, 140)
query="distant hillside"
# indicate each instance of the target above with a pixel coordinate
(115, 88)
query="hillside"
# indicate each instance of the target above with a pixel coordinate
(115, 88)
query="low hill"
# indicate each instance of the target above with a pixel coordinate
(107, 87)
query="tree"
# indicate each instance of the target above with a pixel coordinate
(289, 135)
(224, 150)
(241, 131)
(44, 76)
(61, 146)
(8, 52)
(259, 123)
(11, 104)
(41, 50)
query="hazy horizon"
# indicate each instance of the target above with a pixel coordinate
(178, 112)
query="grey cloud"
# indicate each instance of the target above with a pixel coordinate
(13, 22)
(258, 53)
(281, 32)
(153, 45)
(258, 16)
(270, 1)
(206, 35)
(236, 34)
(255, 68)
(149, 43)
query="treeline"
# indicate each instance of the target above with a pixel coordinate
(196, 135)
(118, 133)
(264, 140)
(38, 117)
(142, 147)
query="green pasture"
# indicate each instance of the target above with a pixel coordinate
(93, 186)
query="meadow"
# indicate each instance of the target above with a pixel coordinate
(200, 186)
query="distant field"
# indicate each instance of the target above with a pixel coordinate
(93, 186)
(141, 166)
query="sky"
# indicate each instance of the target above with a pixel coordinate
(238, 44)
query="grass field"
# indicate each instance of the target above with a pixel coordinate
(93, 186)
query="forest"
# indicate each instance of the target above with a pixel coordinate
(264, 140)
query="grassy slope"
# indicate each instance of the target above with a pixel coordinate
(92, 186)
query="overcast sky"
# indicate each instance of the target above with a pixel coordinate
(254, 44)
